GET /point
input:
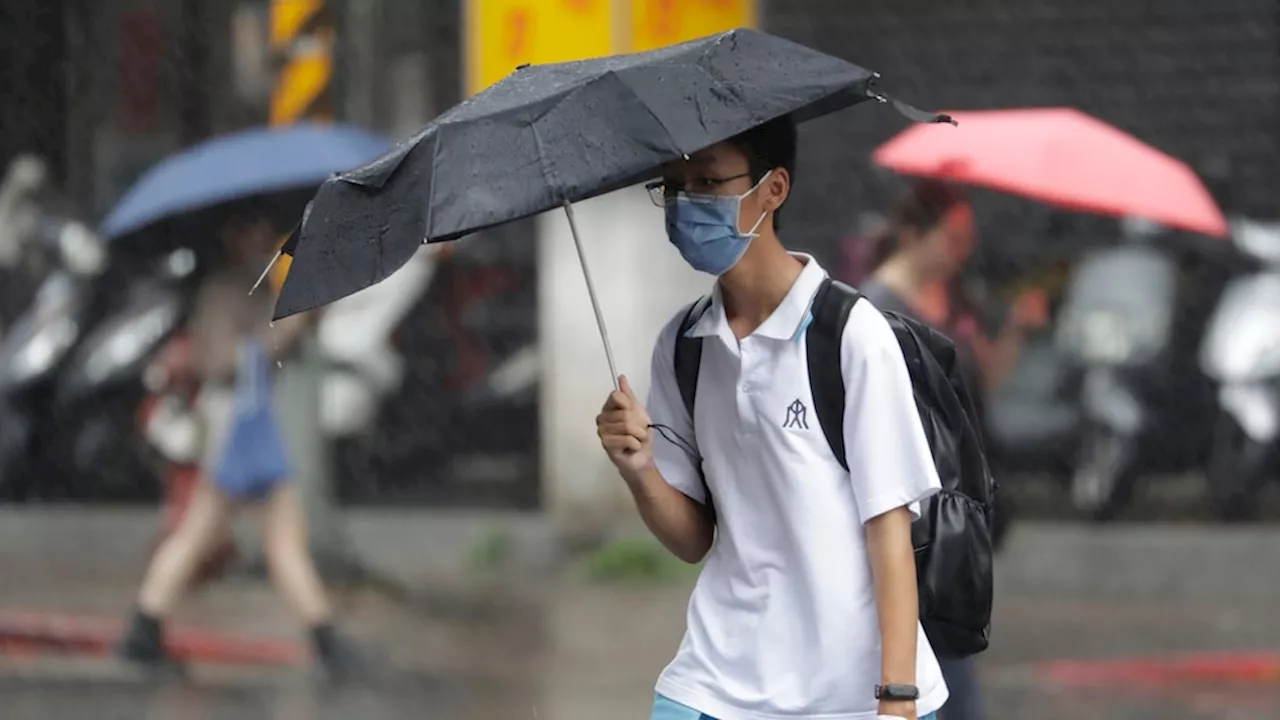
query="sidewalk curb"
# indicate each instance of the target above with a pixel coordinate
(32, 633)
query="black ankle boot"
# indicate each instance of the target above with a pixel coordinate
(142, 645)
(340, 659)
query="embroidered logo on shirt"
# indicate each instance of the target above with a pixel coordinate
(796, 416)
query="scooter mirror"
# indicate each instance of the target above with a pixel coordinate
(1261, 240)
(180, 263)
(19, 213)
(1139, 228)
(82, 250)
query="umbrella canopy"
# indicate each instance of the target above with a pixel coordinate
(240, 165)
(1062, 157)
(549, 135)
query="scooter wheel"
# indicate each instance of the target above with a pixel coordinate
(1106, 477)
(1236, 473)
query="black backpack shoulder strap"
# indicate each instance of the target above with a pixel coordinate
(688, 361)
(831, 307)
(688, 355)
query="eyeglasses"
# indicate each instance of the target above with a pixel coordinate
(662, 192)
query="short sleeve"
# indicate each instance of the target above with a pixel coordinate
(890, 464)
(673, 426)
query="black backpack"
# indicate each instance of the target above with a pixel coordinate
(952, 537)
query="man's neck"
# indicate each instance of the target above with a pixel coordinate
(757, 285)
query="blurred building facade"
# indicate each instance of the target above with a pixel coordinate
(117, 84)
(121, 82)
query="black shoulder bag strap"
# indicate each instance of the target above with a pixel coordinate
(831, 307)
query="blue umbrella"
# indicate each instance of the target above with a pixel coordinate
(240, 165)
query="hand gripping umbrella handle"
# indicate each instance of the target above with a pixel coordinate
(591, 291)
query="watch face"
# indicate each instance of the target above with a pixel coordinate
(897, 692)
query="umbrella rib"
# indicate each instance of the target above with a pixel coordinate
(542, 162)
(675, 146)
(431, 194)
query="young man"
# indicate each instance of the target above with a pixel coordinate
(807, 603)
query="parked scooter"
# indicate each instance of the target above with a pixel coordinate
(1130, 327)
(72, 259)
(102, 386)
(72, 383)
(65, 365)
(363, 366)
(1241, 352)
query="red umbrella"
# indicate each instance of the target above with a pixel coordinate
(1060, 156)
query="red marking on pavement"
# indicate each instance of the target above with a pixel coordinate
(1233, 667)
(29, 633)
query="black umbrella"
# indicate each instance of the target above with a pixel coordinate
(550, 135)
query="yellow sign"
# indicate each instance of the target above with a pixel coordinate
(503, 34)
(289, 18)
(302, 31)
(658, 23)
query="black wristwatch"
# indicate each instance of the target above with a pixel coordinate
(897, 692)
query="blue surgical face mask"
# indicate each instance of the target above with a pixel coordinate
(704, 228)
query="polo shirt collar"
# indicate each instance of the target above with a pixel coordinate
(788, 320)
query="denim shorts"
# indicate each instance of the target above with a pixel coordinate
(665, 708)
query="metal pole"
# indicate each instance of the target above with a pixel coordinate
(297, 392)
(591, 291)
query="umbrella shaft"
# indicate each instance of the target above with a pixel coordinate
(591, 291)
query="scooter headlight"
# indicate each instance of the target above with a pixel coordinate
(42, 351)
(127, 342)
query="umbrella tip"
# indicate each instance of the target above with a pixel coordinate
(522, 66)
(945, 118)
(265, 272)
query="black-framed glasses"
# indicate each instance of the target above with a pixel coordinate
(662, 192)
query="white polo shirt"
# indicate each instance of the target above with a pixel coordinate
(783, 621)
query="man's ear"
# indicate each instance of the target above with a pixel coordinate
(777, 187)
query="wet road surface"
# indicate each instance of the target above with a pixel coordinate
(563, 650)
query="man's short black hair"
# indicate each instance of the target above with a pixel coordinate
(768, 147)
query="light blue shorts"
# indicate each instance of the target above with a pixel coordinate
(664, 708)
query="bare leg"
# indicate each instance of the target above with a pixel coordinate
(284, 537)
(180, 555)
(171, 570)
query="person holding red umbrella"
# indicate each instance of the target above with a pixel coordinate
(1061, 157)
(913, 264)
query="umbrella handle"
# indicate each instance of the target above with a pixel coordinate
(591, 291)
